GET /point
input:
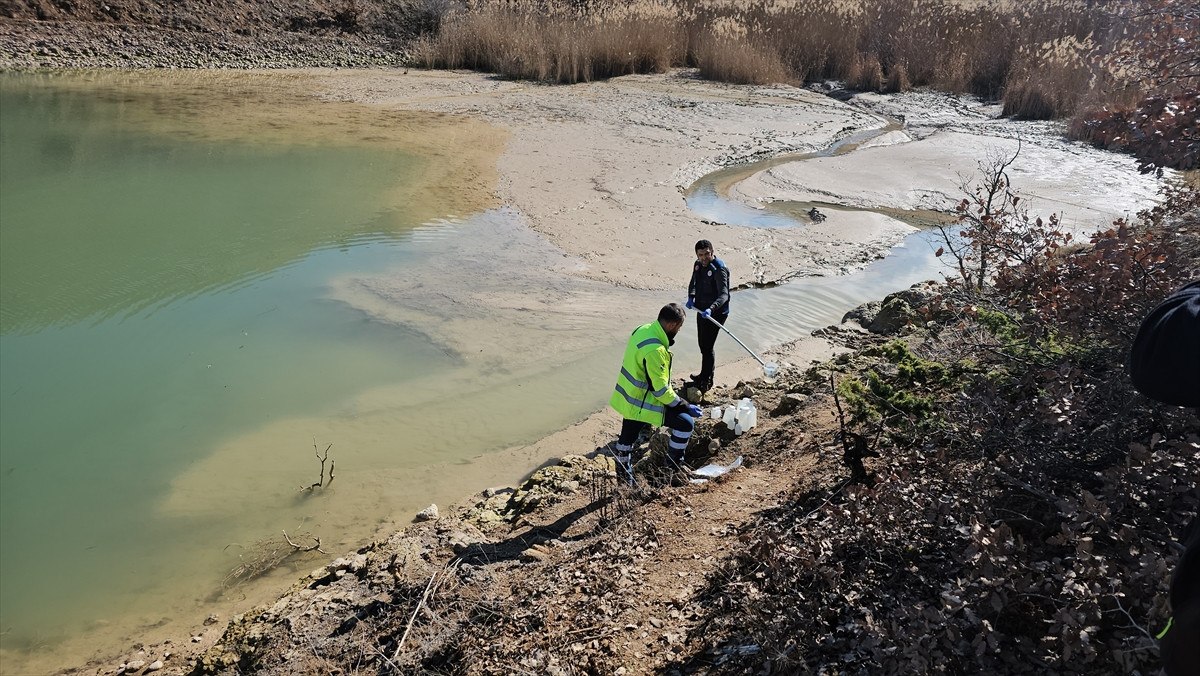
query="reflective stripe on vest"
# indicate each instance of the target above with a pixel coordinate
(639, 403)
(635, 381)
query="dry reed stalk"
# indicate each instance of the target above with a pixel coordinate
(987, 49)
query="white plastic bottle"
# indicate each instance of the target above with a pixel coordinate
(730, 417)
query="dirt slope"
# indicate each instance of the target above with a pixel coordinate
(236, 34)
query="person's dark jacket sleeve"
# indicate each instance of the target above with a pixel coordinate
(1164, 362)
(723, 285)
(1180, 647)
(692, 284)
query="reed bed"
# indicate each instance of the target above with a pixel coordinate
(1038, 56)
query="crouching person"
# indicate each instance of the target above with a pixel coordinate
(643, 395)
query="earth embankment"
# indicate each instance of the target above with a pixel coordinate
(242, 34)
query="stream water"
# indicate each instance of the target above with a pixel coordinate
(765, 317)
(189, 302)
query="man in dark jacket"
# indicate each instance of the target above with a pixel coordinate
(708, 292)
(1165, 365)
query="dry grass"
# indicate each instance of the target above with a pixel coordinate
(553, 48)
(1051, 82)
(1038, 56)
(740, 62)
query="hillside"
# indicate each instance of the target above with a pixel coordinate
(238, 34)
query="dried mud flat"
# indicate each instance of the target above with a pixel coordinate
(602, 169)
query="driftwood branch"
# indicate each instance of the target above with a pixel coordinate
(1012, 480)
(316, 547)
(322, 457)
(264, 555)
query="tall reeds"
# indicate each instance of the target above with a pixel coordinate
(553, 46)
(1036, 55)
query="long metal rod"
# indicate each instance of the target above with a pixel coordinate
(722, 327)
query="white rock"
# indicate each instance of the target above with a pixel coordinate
(155, 665)
(428, 514)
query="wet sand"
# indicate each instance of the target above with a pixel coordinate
(599, 169)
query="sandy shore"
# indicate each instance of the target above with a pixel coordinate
(599, 169)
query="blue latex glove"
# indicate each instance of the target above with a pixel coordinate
(690, 304)
(706, 313)
(694, 410)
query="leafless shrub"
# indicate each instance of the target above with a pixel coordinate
(1050, 81)
(866, 74)
(898, 79)
(559, 47)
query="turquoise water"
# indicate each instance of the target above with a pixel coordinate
(202, 276)
(160, 295)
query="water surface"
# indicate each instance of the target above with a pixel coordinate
(168, 247)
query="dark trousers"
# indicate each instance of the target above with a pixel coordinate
(706, 336)
(677, 419)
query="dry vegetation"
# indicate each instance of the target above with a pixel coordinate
(1025, 512)
(1038, 50)
(1125, 70)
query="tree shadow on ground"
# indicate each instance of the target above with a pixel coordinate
(485, 553)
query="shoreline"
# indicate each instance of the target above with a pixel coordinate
(584, 206)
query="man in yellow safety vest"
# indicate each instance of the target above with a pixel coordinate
(643, 395)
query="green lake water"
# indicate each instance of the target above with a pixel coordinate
(161, 296)
(157, 296)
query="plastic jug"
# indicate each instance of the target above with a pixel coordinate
(730, 416)
(746, 416)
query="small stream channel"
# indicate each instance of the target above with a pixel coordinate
(763, 317)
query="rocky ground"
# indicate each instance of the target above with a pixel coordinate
(243, 34)
(566, 573)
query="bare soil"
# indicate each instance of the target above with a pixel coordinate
(241, 34)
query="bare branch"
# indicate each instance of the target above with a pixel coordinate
(314, 548)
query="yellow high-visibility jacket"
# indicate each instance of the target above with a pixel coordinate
(643, 390)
